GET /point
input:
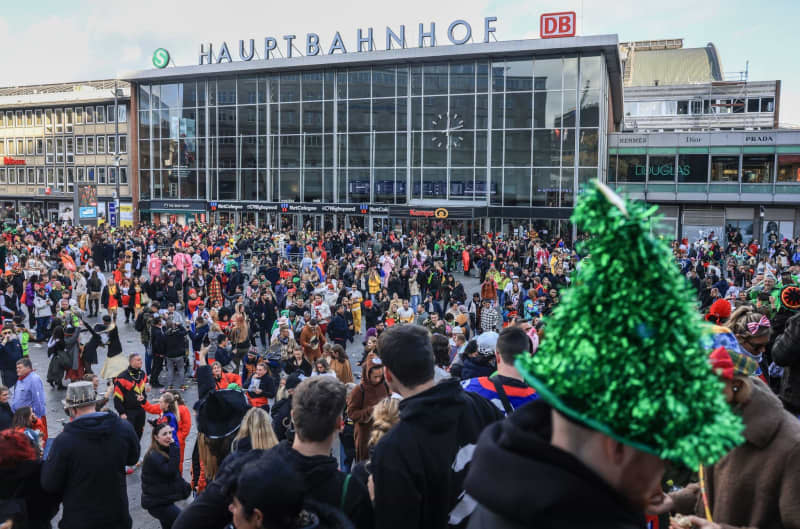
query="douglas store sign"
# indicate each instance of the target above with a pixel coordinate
(663, 170)
(457, 33)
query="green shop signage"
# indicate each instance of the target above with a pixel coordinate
(663, 170)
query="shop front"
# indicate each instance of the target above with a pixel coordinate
(170, 212)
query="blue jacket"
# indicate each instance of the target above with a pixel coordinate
(29, 391)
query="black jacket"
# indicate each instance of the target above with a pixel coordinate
(419, 466)
(158, 341)
(282, 419)
(175, 342)
(162, 483)
(22, 483)
(87, 466)
(324, 484)
(786, 353)
(560, 492)
(338, 330)
(6, 415)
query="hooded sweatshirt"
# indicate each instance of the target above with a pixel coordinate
(324, 484)
(559, 492)
(87, 466)
(419, 466)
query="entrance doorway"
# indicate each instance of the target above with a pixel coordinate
(313, 222)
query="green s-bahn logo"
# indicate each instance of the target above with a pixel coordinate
(160, 58)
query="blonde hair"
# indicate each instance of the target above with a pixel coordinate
(385, 414)
(256, 425)
(738, 321)
(211, 452)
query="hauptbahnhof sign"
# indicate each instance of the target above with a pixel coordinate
(458, 32)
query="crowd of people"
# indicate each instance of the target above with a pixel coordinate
(428, 427)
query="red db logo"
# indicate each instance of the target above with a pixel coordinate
(555, 25)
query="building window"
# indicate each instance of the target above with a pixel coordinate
(9, 119)
(29, 118)
(752, 104)
(757, 169)
(19, 121)
(112, 144)
(12, 147)
(51, 176)
(683, 108)
(631, 168)
(78, 144)
(12, 175)
(101, 175)
(30, 148)
(110, 113)
(60, 178)
(123, 143)
(101, 145)
(122, 113)
(3, 175)
(661, 168)
(70, 149)
(789, 168)
(48, 120)
(68, 120)
(112, 175)
(693, 168)
(90, 174)
(123, 175)
(59, 150)
(31, 176)
(81, 173)
(40, 175)
(70, 179)
(49, 151)
(725, 169)
(767, 104)
(89, 144)
(100, 115)
(79, 115)
(38, 117)
(89, 115)
(20, 147)
(59, 119)
(2, 147)
(39, 146)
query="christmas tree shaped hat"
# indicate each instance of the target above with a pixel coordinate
(622, 352)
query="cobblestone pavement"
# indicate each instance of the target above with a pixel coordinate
(131, 343)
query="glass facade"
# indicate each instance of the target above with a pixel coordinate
(516, 131)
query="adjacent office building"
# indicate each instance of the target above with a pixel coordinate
(55, 136)
(705, 149)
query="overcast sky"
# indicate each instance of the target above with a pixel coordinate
(50, 41)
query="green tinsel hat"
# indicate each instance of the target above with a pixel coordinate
(622, 353)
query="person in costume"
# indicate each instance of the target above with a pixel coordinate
(622, 388)
(786, 350)
(768, 461)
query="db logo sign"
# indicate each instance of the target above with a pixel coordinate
(555, 25)
(440, 213)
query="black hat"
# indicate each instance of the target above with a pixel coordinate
(220, 413)
(107, 318)
(293, 380)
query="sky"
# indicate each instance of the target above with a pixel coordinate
(51, 41)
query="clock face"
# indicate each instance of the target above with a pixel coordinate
(447, 127)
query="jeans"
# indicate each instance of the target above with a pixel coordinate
(175, 372)
(501, 295)
(41, 327)
(414, 302)
(166, 514)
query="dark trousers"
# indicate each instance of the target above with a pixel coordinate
(136, 417)
(158, 365)
(9, 377)
(166, 514)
